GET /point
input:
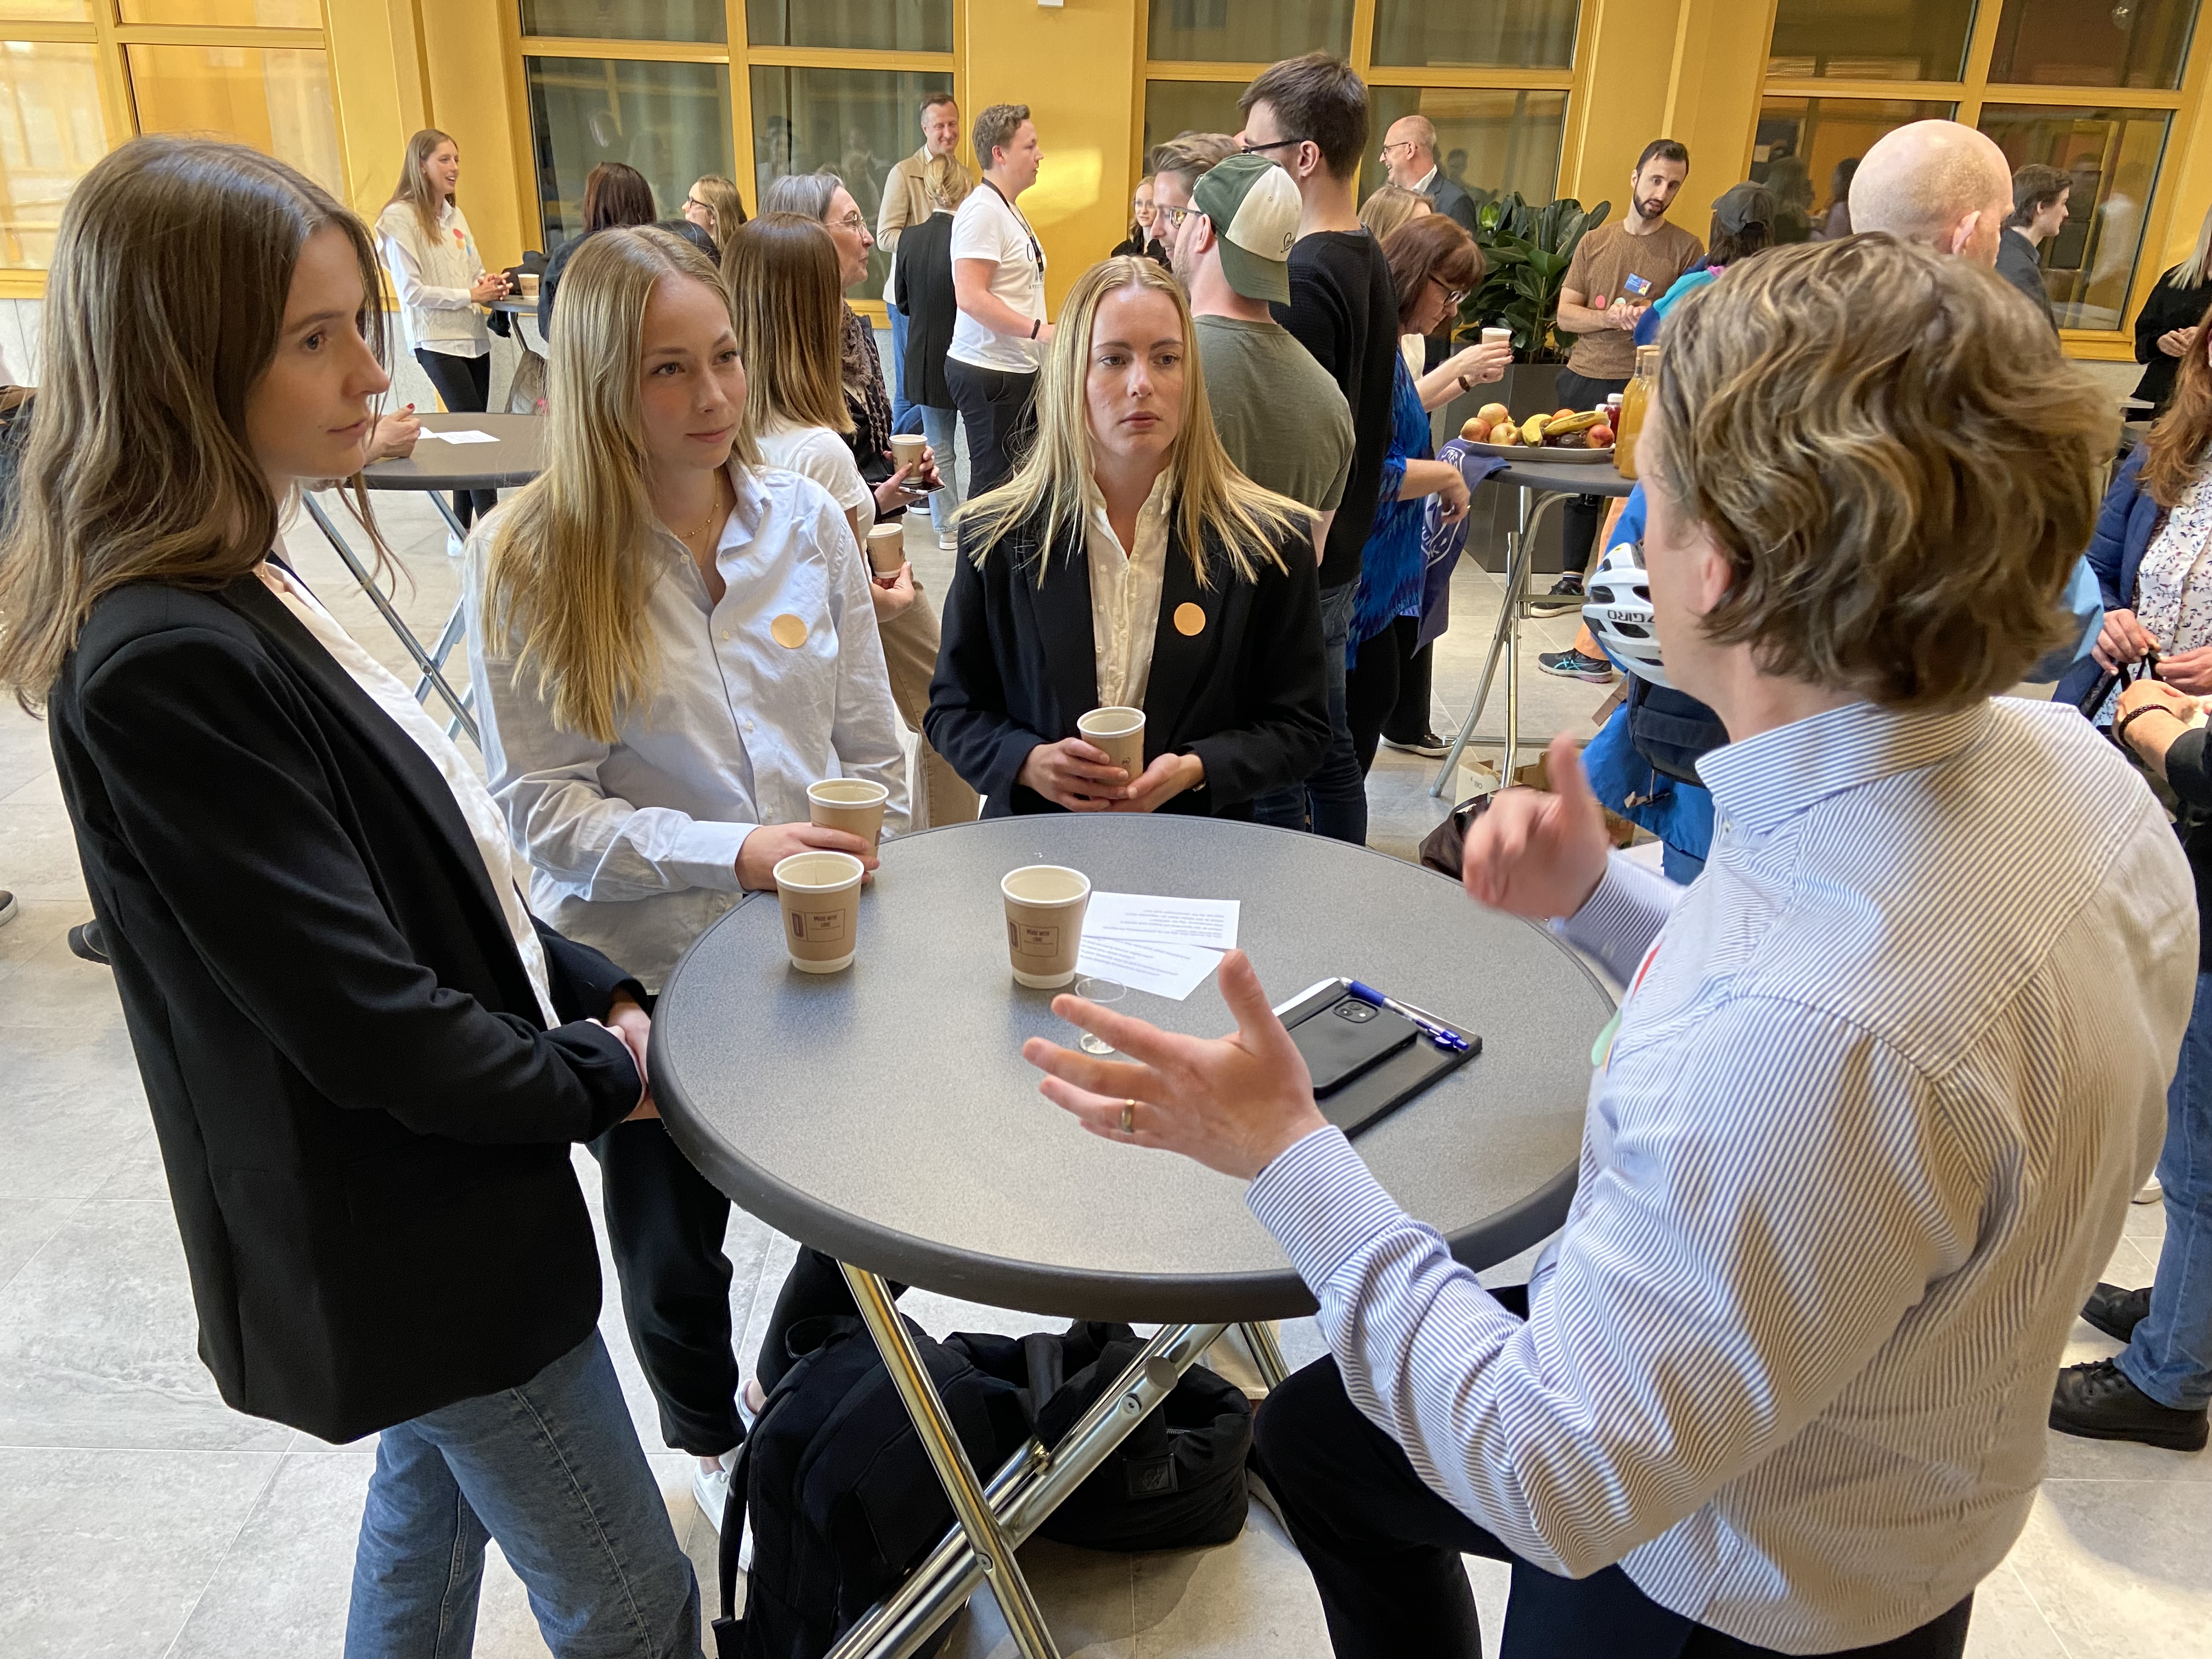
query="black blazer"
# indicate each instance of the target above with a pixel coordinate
(922, 288)
(1245, 694)
(366, 1126)
(1452, 200)
(2166, 308)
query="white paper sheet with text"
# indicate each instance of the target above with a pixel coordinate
(462, 437)
(1162, 970)
(1211, 922)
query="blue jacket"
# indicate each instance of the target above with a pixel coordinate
(2125, 525)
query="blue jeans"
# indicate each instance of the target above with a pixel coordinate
(898, 376)
(1333, 802)
(553, 1470)
(940, 426)
(2170, 1356)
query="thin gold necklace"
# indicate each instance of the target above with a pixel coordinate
(693, 535)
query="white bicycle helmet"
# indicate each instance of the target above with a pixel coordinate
(1619, 611)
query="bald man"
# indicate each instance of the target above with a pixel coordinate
(1939, 184)
(1409, 161)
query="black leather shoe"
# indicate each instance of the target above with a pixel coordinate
(2116, 1312)
(2097, 1402)
(86, 944)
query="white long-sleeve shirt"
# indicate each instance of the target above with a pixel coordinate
(1863, 1137)
(633, 845)
(432, 278)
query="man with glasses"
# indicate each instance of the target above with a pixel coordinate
(1409, 161)
(1308, 116)
(1280, 415)
(998, 284)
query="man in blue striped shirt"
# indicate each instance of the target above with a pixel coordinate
(1883, 1081)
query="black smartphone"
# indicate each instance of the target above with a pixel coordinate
(1347, 1039)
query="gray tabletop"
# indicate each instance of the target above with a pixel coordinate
(518, 457)
(1565, 477)
(885, 1115)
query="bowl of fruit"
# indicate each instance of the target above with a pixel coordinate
(1563, 435)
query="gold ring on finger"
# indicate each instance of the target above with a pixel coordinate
(1129, 1117)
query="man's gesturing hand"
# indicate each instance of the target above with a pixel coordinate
(1539, 856)
(1235, 1104)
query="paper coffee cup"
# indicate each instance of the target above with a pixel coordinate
(887, 548)
(1120, 733)
(1044, 922)
(906, 450)
(820, 893)
(1498, 337)
(529, 281)
(853, 805)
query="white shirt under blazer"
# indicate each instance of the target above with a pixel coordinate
(633, 845)
(432, 277)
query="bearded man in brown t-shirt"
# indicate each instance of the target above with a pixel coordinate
(1618, 271)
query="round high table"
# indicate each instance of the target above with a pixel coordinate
(885, 1115)
(1541, 485)
(515, 455)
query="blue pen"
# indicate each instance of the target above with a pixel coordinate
(1438, 1032)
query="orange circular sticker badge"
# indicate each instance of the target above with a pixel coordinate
(788, 631)
(1189, 620)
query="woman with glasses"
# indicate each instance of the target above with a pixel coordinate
(1146, 227)
(1433, 264)
(715, 207)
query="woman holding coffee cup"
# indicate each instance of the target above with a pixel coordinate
(1129, 564)
(783, 271)
(442, 285)
(670, 642)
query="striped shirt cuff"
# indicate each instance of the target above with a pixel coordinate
(1322, 1204)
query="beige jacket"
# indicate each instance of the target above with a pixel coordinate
(915, 188)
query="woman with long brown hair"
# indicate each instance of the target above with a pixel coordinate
(1127, 561)
(367, 1064)
(442, 285)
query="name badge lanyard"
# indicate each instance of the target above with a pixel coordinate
(1036, 248)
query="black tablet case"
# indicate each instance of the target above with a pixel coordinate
(1377, 1092)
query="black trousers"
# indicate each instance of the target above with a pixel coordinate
(463, 385)
(1385, 1553)
(1000, 412)
(665, 1223)
(1410, 716)
(1582, 514)
(1375, 688)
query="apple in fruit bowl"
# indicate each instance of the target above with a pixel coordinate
(1476, 431)
(1492, 414)
(1563, 413)
(1601, 436)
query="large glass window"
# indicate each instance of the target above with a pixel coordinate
(1500, 34)
(856, 123)
(627, 20)
(1173, 106)
(47, 11)
(851, 24)
(1488, 140)
(1872, 39)
(2070, 43)
(276, 99)
(1246, 31)
(1807, 149)
(228, 14)
(670, 121)
(2113, 156)
(50, 133)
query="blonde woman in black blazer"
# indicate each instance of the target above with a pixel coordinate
(367, 1064)
(1127, 483)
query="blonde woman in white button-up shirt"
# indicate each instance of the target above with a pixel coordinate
(669, 643)
(442, 285)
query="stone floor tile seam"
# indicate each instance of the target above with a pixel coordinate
(16, 1272)
(251, 1509)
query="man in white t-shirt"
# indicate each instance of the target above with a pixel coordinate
(999, 332)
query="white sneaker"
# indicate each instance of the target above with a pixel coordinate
(2151, 1193)
(710, 1488)
(454, 546)
(947, 542)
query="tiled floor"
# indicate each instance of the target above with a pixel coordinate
(140, 1517)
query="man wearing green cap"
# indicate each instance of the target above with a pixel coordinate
(1280, 416)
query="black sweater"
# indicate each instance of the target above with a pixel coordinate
(2167, 307)
(2189, 771)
